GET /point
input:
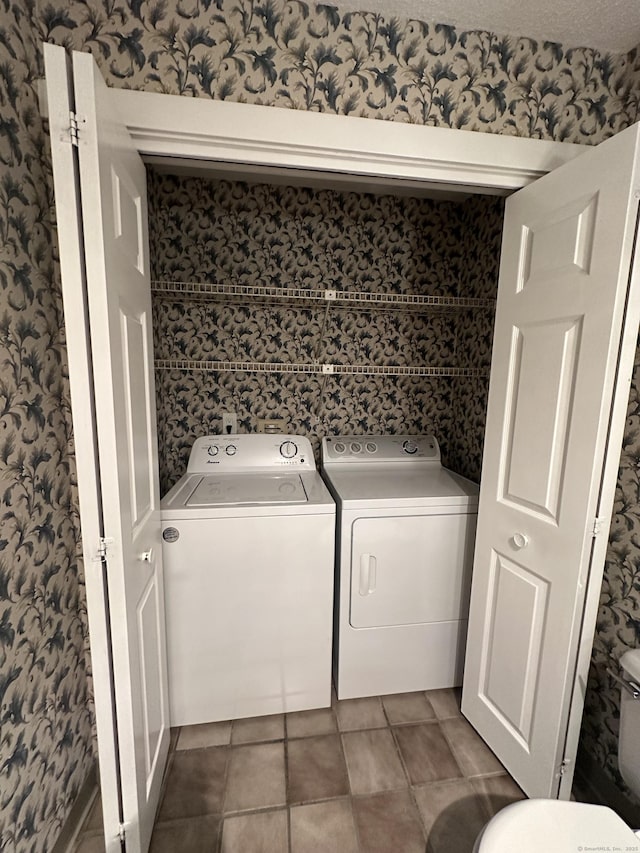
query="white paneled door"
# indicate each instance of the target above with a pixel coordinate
(114, 412)
(564, 342)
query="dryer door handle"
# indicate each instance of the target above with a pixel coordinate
(368, 565)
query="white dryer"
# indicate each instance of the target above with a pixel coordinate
(405, 537)
(248, 551)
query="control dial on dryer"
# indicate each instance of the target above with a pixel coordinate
(289, 449)
(213, 449)
(410, 447)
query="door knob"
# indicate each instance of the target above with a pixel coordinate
(520, 540)
(147, 556)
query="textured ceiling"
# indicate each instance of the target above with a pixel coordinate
(609, 25)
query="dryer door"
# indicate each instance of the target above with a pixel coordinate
(411, 569)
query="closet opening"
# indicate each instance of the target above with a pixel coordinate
(330, 307)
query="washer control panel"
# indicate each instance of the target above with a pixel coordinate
(380, 448)
(250, 452)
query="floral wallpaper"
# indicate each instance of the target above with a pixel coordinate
(234, 233)
(46, 733)
(481, 236)
(287, 54)
(618, 627)
(291, 53)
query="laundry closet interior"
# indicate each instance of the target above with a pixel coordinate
(332, 309)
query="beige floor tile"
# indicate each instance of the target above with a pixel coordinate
(497, 792)
(388, 822)
(471, 752)
(93, 843)
(256, 777)
(193, 835)
(93, 819)
(323, 828)
(316, 722)
(373, 762)
(446, 702)
(355, 714)
(254, 729)
(452, 814)
(426, 753)
(316, 769)
(265, 832)
(407, 708)
(195, 783)
(204, 735)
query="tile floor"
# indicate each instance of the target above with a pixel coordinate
(391, 774)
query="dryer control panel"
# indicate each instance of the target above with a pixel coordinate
(372, 449)
(250, 452)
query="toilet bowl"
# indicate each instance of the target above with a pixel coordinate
(557, 826)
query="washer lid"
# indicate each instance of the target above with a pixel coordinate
(398, 486)
(245, 489)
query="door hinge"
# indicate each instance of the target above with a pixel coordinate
(122, 833)
(564, 766)
(74, 127)
(103, 547)
(597, 526)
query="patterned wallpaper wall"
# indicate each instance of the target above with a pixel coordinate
(291, 53)
(234, 233)
(278, 53)
(46, 746)
(618, 627)
(481, 236)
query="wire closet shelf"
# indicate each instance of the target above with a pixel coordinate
(262, 294)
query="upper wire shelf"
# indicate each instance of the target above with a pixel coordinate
(301, 295)
(316, 368)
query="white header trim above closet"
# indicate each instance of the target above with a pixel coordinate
(264, 140)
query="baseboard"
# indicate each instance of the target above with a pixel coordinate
(79, 810)
(597, 787)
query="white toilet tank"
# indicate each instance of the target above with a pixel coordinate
(629, 741)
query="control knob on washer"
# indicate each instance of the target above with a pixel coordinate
(288, 449)
(213, 449)
(410, 447)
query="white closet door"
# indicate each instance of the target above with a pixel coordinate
(120, 380)
(566, 327)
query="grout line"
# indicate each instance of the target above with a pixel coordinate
(217, 847)
(454, 754)
(423, 826)
(286, 784)
(401, 757)
(225, 784)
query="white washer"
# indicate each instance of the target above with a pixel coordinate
(248, 551)
(405, 537)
